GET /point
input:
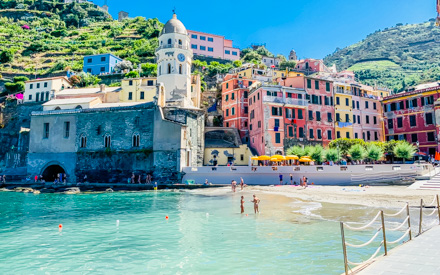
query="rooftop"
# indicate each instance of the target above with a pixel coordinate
(69, 101)
(48, 78)
(93, 90)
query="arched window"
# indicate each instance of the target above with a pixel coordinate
(169, 68)
(57, 108)
(180, 69)
(169, 41)
(180, 42)
(107, 141)
(136, 140)
(78, 107)
(83, 141)
(37, 97)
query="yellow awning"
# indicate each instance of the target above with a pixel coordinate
(255, 158)
(277, 157)
(292, 157)
(263, 158)
(305, 160)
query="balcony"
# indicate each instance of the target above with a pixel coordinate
(287, 101)
(169, 46)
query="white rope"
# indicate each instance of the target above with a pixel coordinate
(400, 226)
(364, 244)
(401, 238)
(433, 201)
(371, 258)
(432, 213)
(363, 227)
(431, 224)
(396, 214)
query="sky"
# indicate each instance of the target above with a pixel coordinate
(313, 28)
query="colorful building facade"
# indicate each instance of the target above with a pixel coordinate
(100, 63)
(212, 45)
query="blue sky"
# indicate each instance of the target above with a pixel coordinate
(314, 28)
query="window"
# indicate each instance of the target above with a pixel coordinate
(246, 110)
(311, 133)
(130, 96)
(318, 116)
(374, 106)
(37, 96)
(46, 130)
(367, 119)
(169, 41)
(352, 104)
(259, 124)
(38, 85)
(227, 125)
(130, 82)
(301, 132)
(102, 69)
(316, 85)
(45, 84)
(150, 83)
(193, 46)
(319, 134)
(347, 102)
(368, 135)
(366, 104)
(136, 140)
(412, 121)
(227, 112)
(227, 85)
(329, 117)
(277, 122)
(227, 52)
(356, 135)
(329, 134)
(234, 53)
(401, 105)
(31, 86)
(89, 60)
(347, 134)
(107, 141)
(309, 83)
(89, 70)
(233, 111)
(180, 42)
(376, 137)
(390, 123)
(327, 87)
(103, 58)
(414, 102)
(357, 105)
(337, 101)
(347, 118)
(232, 96)
(203, 38)
(300, 114)
(194, 36)
(47, 96)
(399, 122)
(338, 134)
(428, 118)
(180, 68)
(277, 138)
(83, 142)
(169, 68)
(414, 137)
(142, 95)
(277, 111)
(203, 48)
(245, 94)
(431, 136)
(310, 115)
(210, 39)
(375, 120)
(338, 117)
(66, 129)
(354, 119)
(326, 101)
(210, 49)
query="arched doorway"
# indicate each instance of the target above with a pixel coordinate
(50, 173)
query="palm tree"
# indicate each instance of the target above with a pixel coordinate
(317, 153)
(332, 155)
(404, 150)
(374, 152)
(357, 152)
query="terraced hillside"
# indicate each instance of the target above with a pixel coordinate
(397, 57)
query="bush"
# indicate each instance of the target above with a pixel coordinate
(332, 155)
(317, 153)
(404, 150)
(237, 63)
(59, 33)
(6, 56)
(357, 152)
(15, 87)
(132, 74)
(296, 150)
(20, 78)
(374, 152)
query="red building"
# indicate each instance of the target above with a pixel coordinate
(235, 91)
(410, 116)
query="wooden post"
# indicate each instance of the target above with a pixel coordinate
(344, 249)
(383, 232)
(421, 216)
(409, 221)
(438, 208)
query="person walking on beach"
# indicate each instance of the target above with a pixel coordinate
(233, 185)
(256, 201)
(281, 179)
(241, 183)
(242, 204)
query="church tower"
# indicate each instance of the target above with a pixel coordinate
(174, 58)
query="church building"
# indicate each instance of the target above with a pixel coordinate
(110, 143)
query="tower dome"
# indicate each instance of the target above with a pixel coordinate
(174, 26)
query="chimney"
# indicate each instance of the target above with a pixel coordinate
(102, 88)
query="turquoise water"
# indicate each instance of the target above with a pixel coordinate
(204, 234)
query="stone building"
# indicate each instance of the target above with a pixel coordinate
(111, 142)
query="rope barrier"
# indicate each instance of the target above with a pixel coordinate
(433, 201)
(431, 224)
(364, 244)
(396, 214)
(432, 213)
(363, 227)
(369, 260)
(400, 226)
(401, 238)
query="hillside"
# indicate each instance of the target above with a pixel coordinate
(397, 57)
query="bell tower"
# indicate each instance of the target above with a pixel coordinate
(174, 59)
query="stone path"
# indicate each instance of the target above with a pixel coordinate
(419, 256)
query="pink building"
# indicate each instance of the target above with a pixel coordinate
(212, 45)
(276, 114)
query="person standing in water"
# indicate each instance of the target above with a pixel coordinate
(242, 204)
(241, 183)
(256, 201)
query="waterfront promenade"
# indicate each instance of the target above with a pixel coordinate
(419, 256)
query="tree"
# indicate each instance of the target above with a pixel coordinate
(317, 154)
(85, 79)
(123, 65)
(237, 63)
(308, 150)
(6, 56)
(374, 152)
(404, 150)
(264, 52)
(287, 64)
(20, 78)
(296, 150)
(357, 152)
(345, 144)
(132, 74)
(332, 155)
(149, 69)
(251, 56)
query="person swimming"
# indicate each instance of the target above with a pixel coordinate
(256, 201)
(242, 204)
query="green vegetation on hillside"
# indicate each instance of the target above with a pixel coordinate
(397, 57)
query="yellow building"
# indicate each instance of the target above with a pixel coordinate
(343, 110)
(278, 74)
(141, 89)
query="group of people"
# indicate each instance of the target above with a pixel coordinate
(234, 185)
(303, 181)
(133, 179)
(256, 202)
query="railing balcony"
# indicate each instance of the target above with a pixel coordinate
(169, 46)
(290, 101)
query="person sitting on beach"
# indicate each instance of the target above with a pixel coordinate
(256, 201)
(242, 204)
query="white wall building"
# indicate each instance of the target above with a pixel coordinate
(44, 89)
